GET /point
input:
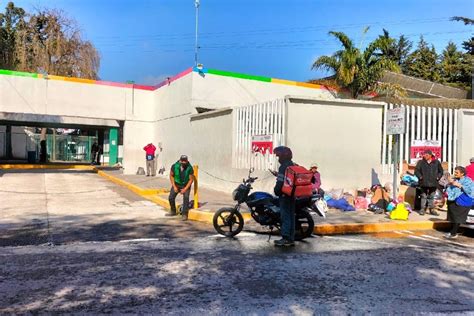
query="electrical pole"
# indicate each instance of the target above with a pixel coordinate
(196, 47)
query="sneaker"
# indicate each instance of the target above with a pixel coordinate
(449, 236)
(433, 212)
(170, 214)
(284, 243)
(422, 212)
(184, 217)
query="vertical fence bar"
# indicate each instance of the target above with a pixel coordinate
(440, 124)
(455, 139)
(384, 139)
(428, 123)
(389, 149)
(401, 147)
(450, 139)
(445, 135)
(423, 123)
(407, 135)
(247, 134)
(272, 131)
(418, 122)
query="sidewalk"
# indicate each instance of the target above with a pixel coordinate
(336, 221)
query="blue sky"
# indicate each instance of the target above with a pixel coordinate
(149, 40)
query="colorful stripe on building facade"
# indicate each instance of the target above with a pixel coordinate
(167, 81)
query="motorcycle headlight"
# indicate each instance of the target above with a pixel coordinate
(235, 195)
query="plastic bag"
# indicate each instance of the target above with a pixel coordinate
(361, 203)
(335, 194)
(400, 212)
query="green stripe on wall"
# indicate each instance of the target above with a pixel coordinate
(238, 75)
(18, 73)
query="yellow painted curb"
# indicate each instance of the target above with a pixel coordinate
(365, 228)
(131, 187)
(155, 191)
(44, 166)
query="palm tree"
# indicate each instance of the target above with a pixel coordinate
(359, 71)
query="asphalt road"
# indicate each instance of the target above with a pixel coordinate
(177, 268)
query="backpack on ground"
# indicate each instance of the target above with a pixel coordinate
(297, 182)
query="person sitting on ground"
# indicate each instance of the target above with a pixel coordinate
(316, 180)
(460, 199)
(181, 178)
(470, 169)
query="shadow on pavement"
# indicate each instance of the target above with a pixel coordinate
(223, 279)
(86, 228)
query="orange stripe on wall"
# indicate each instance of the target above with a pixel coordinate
(308, 85)
(287, 82)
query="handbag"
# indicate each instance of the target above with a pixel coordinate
(464, 200)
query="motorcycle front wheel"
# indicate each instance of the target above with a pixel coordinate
(304, 225)
(228, 222)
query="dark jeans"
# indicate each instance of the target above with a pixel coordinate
(427, 197)
(172, 200)
(287, 213)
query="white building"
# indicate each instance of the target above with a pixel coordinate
(212, 115)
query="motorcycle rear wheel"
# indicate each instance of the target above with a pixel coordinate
(304, 225)
(228, 222)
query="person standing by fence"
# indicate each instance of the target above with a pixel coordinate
(429, 171)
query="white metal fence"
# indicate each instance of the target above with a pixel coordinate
(259, 119)
(423, 123)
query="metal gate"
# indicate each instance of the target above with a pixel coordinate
(259, 119)
(423, 123)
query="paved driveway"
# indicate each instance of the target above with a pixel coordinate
(63, 206)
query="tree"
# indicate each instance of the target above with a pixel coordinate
(359, 71)
(46, 41)
(395, 50)
(469, 44)
(451, 64)
(10, 22)
(422, 63)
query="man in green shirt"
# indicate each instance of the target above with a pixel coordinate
(181, 178)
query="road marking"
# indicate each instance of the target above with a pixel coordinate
(433, 248)
(431, 237)
(242, 234)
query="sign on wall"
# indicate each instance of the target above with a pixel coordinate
(418, 146)
(396, 121)
(262, 144)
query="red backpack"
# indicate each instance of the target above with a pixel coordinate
(297, 182)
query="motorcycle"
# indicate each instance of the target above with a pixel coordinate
(265, 210)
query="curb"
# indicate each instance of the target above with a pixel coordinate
(367, 228)
(132, 187)
(44, 166)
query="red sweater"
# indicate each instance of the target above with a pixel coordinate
(150, 149)
(470, 171)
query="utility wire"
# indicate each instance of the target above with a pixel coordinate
(309, 44)
(267, 31)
